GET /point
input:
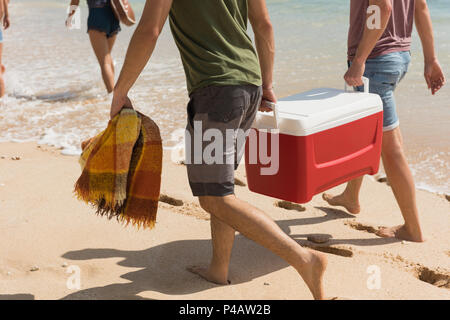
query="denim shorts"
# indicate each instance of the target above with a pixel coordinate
(385, 73)
(227, 113)
(103, 20)
(1, 35)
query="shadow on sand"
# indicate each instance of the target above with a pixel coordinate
(21, 296)
(163, 267)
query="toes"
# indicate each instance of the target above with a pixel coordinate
(327, 197)
(385, 233)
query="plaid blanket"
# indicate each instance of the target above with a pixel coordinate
(121, 170)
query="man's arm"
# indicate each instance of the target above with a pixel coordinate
(265, 45)
(369, 39)
(433, 73)
(140, 50)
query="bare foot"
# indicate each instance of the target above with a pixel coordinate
(341, 201)
(208, 275)
(400, 232)
(312, 273)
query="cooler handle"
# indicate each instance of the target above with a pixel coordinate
(274, 108)
(366, 85)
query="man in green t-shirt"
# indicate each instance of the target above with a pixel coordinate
(227, 85)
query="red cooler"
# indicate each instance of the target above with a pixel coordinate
(314, 141)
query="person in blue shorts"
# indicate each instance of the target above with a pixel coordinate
(382, 54)
(103, 27)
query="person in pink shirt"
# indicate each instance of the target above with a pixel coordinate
(382, 54)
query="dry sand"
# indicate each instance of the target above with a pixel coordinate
(44, 228)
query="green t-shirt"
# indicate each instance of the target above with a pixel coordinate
(213, 42)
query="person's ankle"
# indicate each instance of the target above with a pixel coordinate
(218, 270)
(305, 259)
(351, 198)
(414, 231)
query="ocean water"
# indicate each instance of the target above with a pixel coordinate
(55, 94)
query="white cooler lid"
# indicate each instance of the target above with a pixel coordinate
(318, 110)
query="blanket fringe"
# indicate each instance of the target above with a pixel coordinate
(108, 200)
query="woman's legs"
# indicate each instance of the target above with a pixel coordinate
(102, 48)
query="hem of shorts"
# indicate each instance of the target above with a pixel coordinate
(207, 194)
(391, 127)
(221, 83)
(112, 34)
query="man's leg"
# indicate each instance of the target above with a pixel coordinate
(257, 226)
(222, 242)
(213, 110)
(402, 183)
(349, 199)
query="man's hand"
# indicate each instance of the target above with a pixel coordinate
(268, 95)
(6, 22)
(73, 9)
(118, 103)
(354, 74)
(434, 76)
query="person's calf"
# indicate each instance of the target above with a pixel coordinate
(222, 243)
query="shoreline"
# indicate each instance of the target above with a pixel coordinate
(167, 149)
(48, 233)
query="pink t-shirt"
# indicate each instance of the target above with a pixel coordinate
(396, 37)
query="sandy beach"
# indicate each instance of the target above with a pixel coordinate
(45, 229)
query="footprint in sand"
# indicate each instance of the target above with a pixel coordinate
(188, 209)
(290, 206)
(169, 200)
(362, 227)
(436, 277)
(239, 182)
(193, 210)
(336, 250)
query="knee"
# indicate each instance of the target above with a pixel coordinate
(393, 151)
(212, 204)
(107, 63)
(207, 203)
